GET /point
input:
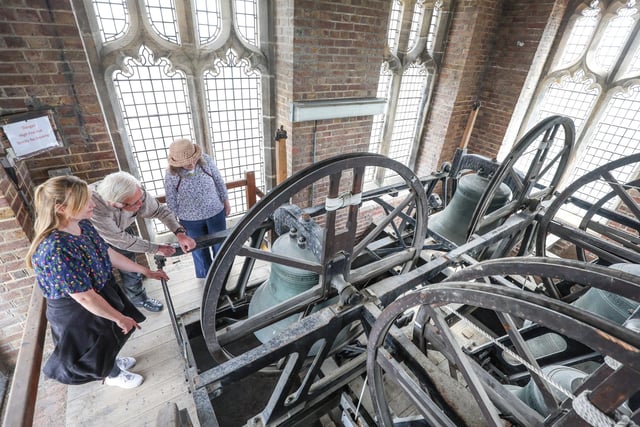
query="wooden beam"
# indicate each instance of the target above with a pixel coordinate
(281, 155)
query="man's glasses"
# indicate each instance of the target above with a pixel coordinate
(138, 202)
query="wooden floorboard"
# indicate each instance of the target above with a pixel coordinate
(158, 358)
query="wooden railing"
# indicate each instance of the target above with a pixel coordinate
(251, 192)
(24, 387)
(20, 407)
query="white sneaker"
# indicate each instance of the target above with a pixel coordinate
(125, 363)
(125, 379)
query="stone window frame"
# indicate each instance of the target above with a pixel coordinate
(621, 79)
(105, 58)
(420, 46)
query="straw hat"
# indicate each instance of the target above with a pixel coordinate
(183, 152)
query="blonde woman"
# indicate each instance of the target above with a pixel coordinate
(90, 317)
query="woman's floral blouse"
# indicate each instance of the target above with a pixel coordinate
(67, 264)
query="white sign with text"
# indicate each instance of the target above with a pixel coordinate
(30, 136)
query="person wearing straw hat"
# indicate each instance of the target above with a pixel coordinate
(197, 195)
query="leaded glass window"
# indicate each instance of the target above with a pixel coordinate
(595, 80)
(406, 80)
(168, 75)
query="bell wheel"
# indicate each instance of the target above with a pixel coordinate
(351, 233)
(532, 171)
(462, 369)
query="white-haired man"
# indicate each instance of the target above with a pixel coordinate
(119, 200)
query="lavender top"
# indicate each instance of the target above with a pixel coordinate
(198, 194)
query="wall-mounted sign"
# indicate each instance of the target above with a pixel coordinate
(31, 135)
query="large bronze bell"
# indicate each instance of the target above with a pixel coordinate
(566, 377)
(609, 305)
(453, 222)
(284, 282)
(606, 304)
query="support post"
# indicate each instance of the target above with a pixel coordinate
(281, 155)
(250, 178)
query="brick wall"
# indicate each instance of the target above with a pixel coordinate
(15, 280)
(521, 44)
(327, 50)
(491, 50)
(337, 52)
(468, 48)
(42, 67)
(284, 67)
(493, 47)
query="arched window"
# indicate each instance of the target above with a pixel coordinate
(594, 78)
(193, 69)
(406, 79)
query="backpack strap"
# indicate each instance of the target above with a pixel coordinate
(210, 175)
(203, 170)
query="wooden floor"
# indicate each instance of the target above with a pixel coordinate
(158, 360)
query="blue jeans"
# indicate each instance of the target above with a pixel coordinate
(202, 258)
(132, 282)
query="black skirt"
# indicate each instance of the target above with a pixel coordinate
(86, 345)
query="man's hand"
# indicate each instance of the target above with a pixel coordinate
(185, 242)
(166, 250)
(227, 207)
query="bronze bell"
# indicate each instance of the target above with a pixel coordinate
(284, 282)
(565, 376)
(606, 304)
(453, 222)
(609, 305)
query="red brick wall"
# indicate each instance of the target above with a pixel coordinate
(284, 69)
(15, 280)
(519, 43)
(492, 48)
(42, 66)
(468, 48)
(337, 52)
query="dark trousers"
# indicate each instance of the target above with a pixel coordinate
(202, 258)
